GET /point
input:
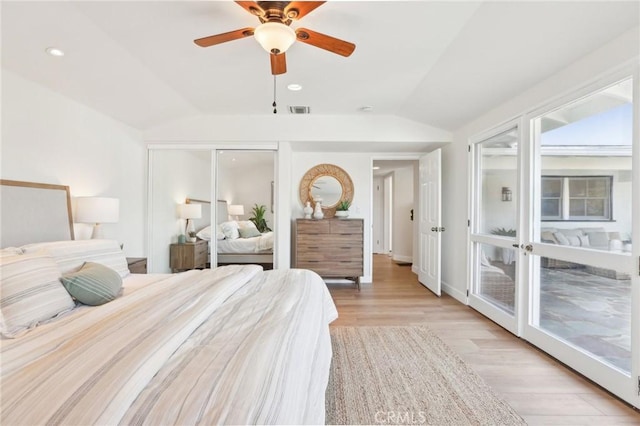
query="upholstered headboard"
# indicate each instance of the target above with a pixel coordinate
(34, 212)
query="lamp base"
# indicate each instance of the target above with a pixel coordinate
(97, 232)
(191, 231)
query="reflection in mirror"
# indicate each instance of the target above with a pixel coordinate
(327, 189)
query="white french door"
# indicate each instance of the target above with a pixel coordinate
(583, 301)
(494, 228)
(555, 226)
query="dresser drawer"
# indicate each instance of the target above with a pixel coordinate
(313, 227)
(332, 241)
(346, 226)
(329, 254)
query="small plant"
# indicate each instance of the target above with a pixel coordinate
(343, 206)
(258, 218)
(504, 232)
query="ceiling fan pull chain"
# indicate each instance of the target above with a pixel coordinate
(275, 111)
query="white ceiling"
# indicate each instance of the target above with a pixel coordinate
(440, 63)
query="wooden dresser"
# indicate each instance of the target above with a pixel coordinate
(189, 256)
(333, 248)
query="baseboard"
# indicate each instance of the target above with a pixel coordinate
(460, 296)
(414, 269)
(403, 259)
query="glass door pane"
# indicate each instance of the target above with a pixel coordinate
(495, 228)
(582, 271)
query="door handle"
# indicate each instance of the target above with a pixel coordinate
(515, 245)
(528, 248)
(434, 229)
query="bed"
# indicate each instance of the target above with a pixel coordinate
(232, 248)
(229, 345)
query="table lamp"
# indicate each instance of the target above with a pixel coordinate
(97, 210)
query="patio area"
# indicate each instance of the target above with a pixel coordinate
(586, 308)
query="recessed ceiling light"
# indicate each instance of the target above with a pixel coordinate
(366, 108)
(54, 51)
(294, 87)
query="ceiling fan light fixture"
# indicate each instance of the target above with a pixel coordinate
(274, 37)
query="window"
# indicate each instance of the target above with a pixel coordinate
(576, 198)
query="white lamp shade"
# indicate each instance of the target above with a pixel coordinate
(236, 209)
(97, 210)
(190, 211)
(274, 36)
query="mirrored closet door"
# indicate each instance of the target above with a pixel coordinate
(175, 176)
(245, 207)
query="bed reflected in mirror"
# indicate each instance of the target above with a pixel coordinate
(245, 179)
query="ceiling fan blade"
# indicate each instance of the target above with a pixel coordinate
(222, 38)
(252, 7)
(323, 41)
(278, 63)
(298, 9)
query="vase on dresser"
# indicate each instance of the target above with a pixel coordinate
(342, 214)
(317, 213)
(308, 210)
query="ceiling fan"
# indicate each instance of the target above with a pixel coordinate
(275, 34)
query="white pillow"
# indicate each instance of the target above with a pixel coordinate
(219, 233)
(71, 255)
(562, 240)
(584, 240)
(246, 224)
(230, 230)
(204, 233)
(30, 292)
(599, 239)
(574, 240)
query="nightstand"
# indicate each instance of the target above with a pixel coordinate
(189, 256)
(137, 265)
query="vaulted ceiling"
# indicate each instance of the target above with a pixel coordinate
(440, 63)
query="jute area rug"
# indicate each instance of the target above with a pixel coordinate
(406, 375)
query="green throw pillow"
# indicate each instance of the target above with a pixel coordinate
(249, 232)
(94, 284)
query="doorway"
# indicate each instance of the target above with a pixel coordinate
(394, 198)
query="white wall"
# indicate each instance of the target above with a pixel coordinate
(619, 52)
(175, 176)
(317, 129)
(49, 138)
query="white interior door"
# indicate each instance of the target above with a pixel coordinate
(430, 221)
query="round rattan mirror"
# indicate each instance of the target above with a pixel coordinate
(329, 183)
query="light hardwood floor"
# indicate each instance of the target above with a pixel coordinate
(542, 390)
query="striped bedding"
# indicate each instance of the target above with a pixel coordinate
(232, 345)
